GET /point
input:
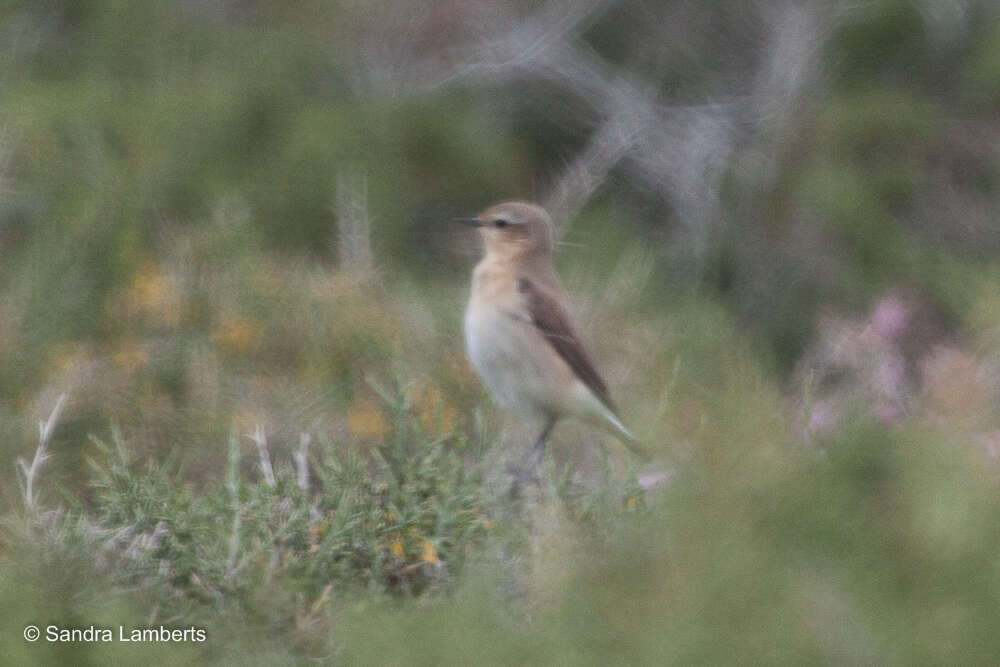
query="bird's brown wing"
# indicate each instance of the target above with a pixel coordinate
(553, 323)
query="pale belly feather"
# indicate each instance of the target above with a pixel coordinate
(517, 372)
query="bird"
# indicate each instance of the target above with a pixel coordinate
(519, 334)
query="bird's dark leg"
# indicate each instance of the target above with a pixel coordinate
(538, 450)
(527, 471)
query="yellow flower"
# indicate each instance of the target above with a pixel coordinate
(366, 421)
(236, 334)
(130, 354)
(246, 421)
(460, 372)
(153, 293)
(430, 552)
(65, 356)
(631, 503)
(487, 524)
(437, 415)
(397, 548)
(315, 531)
(149, 286)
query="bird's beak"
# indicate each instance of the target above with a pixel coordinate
(473, 222)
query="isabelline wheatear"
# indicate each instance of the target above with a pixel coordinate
(518, 330)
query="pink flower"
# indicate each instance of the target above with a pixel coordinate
(889, 412)
(993, 445)
(889, 317)
(652, 480)
(822, 419)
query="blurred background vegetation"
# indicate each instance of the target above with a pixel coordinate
(224, 237)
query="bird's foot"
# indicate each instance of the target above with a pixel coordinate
(522, 476)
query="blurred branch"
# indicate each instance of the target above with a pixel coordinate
(523, 46)
(578, 182)
(796, 33)
(353, 225)
(680, 153)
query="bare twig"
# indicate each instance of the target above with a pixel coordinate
(265, 455)
(233, 485)
(28, 473)
(302, 461)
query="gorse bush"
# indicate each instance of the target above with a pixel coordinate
(290, 542)
(401, 519)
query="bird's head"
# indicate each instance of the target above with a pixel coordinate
(515, 229)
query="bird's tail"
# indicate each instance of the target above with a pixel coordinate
(616, 427)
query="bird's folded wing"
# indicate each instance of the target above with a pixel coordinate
(553, 322)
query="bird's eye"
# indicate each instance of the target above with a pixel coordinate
(500, 222)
